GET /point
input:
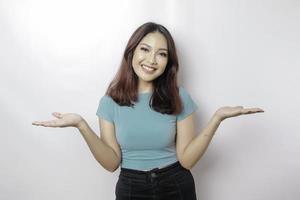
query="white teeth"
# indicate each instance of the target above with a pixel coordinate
(148, 68)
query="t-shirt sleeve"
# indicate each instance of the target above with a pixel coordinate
(189, 106)
(106, 108)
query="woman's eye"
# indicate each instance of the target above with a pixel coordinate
(144, 49)
(163, 54)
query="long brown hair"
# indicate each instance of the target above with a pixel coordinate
(124, 87)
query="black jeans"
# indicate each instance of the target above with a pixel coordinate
(173, 182)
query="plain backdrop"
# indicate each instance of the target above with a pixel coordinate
(60, 55)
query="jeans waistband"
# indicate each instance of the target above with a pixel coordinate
(171, 167)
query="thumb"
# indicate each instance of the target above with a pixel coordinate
(57, 114)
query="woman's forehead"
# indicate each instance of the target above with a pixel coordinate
(155, 40)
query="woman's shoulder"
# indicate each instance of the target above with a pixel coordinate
(106, 99)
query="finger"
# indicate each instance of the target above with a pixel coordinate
(257, 110)
(38, 123)
(251, 110)
(52, 123)
(260, 110)
(35, 123)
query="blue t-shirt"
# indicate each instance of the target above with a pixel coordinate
(146, 137)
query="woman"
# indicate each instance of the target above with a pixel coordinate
(147, 122)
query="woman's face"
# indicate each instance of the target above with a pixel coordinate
(150, 57)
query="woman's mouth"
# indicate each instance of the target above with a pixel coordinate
(147, 69)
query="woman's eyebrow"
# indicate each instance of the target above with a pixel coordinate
(151, 47)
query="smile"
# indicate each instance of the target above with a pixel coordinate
(147, 69)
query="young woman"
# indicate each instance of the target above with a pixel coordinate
(147, 122)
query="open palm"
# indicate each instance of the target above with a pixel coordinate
(63, 120)
(227, 111)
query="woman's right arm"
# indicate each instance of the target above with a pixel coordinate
(102, 152)
(105, 149)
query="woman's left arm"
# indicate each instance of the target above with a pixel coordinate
(198, 145)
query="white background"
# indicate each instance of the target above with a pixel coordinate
(60, 55)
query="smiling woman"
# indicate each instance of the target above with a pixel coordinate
(147, 122)
(149, 64)
(150, 56)
(143, 105)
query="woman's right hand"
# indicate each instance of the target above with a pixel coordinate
(63, 120)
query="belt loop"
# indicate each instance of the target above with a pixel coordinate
(152, 174)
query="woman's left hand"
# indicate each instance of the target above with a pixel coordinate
(226, 112)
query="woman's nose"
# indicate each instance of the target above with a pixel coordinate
(152, 58)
